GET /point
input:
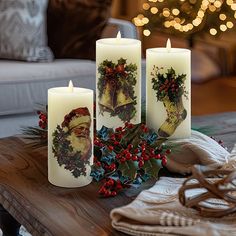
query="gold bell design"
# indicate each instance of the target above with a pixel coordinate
(113, 99)
(122, 99)
(107, 97)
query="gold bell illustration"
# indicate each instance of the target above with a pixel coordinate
(122, 98)
(113, 98)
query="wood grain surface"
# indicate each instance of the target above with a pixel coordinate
(48, 210)
(221, 125)
(43, 208)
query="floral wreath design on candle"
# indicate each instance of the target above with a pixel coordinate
(72, 145)
(170, 89)
(115, 85)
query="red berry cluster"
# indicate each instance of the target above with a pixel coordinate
(147, 153)
(43, 119)
(120, 144)
(97, 142)
(110, 188)
(130, 153)
(169, 85)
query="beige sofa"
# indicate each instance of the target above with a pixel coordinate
(25, 84)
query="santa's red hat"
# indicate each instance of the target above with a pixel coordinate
(82, 112)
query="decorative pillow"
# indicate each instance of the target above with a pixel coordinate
(75, 25)
(23, 30)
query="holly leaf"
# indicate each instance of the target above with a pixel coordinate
(97, 173)
(158, 142)
(121, 61)
(132, 136)
(129, 169)
(145, 177)
(152, 167)
(104, 133)
(108, 157)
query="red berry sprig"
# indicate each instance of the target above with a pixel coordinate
(130, 153)
(118, 150)
(110, 188)
(43, 120)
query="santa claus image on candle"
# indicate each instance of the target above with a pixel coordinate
(72, 143)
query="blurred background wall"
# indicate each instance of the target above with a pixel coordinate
(208, 28)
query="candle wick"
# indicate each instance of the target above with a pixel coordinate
(71, 86)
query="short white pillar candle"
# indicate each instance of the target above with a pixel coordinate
(70, 136)
(168, 80)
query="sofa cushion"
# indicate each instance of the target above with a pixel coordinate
(22, 85)
(23, 31)
(75, 25)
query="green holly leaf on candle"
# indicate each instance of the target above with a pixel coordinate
(168, 84)
(170, 88)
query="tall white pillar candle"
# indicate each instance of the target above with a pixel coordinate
(118, 82)
(168, 76)
(70, 136)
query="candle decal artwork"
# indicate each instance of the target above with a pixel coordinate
(118, 81)
(168, 91)
(70, 136)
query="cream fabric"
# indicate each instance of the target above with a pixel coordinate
(198, 149)
(157, 211)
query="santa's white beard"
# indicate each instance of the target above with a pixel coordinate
(80, 144)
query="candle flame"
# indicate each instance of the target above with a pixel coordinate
(118, 37)
(168, 45)
(71, 86)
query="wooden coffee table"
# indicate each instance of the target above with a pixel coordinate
(28, 198)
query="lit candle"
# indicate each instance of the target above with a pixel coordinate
(70, 136)
(168, 82)
(118, 80)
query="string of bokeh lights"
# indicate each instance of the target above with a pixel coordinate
(172, 19)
